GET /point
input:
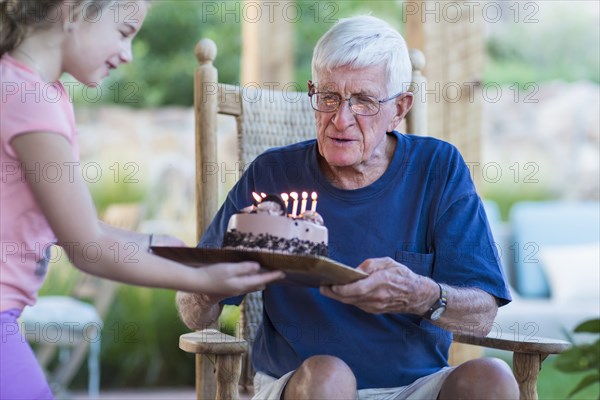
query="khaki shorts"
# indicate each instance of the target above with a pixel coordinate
(426, 388)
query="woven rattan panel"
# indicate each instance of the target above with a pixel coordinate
(273, 119)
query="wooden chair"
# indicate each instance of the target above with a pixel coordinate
(275, 120)
(71, 325)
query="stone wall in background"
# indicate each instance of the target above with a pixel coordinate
(548, 136)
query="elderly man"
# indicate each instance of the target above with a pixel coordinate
(401, 208)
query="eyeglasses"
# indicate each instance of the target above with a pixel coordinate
(360, 104)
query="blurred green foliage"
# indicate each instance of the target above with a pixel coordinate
(551, 44)
(164, 63)
(507, 194)
(139, 337)
(107, 191)
(583, 358)
(140, 341)
(555, 42)
(553, 384)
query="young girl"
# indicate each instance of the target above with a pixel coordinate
(39, 41)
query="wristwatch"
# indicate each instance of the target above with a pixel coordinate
(437, 309)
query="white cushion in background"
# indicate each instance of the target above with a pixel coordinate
(573, 272)
(544, 317)
(61, 319)
(61, 309)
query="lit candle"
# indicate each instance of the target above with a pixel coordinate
(294, 196)
(285, 198)
(313, 206)
(263, 195)
(256, 197)
(303, 206)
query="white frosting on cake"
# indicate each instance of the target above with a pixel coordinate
(266, 227)
(279, 226)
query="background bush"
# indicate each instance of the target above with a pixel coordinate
(550, 44)
(562, 47)
(163, 67)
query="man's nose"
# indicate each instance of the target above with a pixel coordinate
(344, 117)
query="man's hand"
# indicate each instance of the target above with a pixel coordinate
(391, 287)
(198, 311)
(220, 281)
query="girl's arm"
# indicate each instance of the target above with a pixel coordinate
(143, 240)
(69, 210)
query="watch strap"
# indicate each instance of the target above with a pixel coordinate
(442, 301)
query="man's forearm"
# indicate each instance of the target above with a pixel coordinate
(197, 311)
(469, 311)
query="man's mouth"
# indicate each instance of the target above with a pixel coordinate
(341, 140)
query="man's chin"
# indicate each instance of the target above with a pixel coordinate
(340, 163)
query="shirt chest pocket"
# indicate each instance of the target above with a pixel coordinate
(419, 263)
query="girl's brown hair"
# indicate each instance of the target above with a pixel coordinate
(18, 16)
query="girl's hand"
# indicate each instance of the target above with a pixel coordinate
(231, 279)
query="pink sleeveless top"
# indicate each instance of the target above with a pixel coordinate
(28, 104)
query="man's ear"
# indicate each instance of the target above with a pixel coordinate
(403, 103)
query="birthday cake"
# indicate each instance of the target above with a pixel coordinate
(268, 226)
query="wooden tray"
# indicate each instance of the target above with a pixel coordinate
(299, 269)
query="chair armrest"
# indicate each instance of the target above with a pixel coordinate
(528, 354)
(514, 343)
(227, 351)
(211, 341)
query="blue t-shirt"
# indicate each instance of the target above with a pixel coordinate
(423, 212)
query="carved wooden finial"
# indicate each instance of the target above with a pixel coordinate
(417, 58)
(206, 51)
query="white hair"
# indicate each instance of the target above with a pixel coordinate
(364, 41)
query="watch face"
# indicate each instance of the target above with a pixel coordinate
(437, 313)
